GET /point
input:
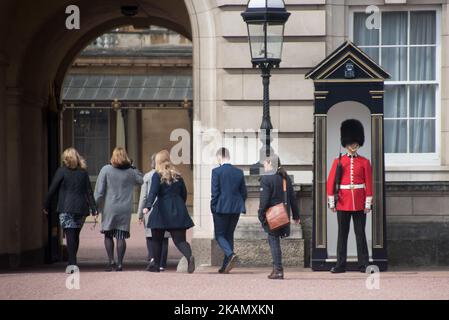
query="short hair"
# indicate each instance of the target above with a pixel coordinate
(72, 159)
(223, 153)
(120, 157)
(275, 162)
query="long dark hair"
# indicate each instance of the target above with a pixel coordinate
(276, 163)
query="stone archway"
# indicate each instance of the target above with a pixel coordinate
(39, 60)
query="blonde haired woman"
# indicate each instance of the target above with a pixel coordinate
(75, 200)
(114, 195)
(144, 219)
(169, 211)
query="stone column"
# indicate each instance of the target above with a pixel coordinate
(202, 17)
(120, 130)
(132, 148)
(336, 22)
(25, 160)
(33, 173)
(13, 176)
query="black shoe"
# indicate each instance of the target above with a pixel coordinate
(338, 270)
(191, 264)
(221, 270)
(362, 269)
(153, 269)
(110, 267)
(119, 268)
(272, 272)
(231, 263)
(276, 275)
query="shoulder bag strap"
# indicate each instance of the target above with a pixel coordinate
(284, 189)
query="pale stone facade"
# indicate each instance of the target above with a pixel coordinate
(37, 50)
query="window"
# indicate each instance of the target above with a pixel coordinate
(406, 46)
(91, 137)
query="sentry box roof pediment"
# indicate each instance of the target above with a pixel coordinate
(348, 63)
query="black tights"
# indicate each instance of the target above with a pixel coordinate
(121, 249)
(179, 238)
(72, 236)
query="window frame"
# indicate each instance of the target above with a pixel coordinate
(401, 159)
(93, 178)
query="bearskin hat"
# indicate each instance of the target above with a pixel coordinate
(351, 131)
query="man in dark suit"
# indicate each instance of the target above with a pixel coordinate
(227, 203)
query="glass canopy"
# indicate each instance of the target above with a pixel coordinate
(81, 87)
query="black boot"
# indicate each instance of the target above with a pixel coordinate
(191, 264)
(231, 263)
(110, 267)
(272, 272)
(338, 270)
(152, 267)
(276, 274)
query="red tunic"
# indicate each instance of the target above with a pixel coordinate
(356, 171)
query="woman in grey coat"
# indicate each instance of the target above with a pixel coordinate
(143, 218)
(114, 196)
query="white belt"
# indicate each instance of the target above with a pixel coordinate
(352, 186)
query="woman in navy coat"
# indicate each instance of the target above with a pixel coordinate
(167, 198)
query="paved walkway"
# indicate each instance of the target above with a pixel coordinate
(133, 283)
(49, 282)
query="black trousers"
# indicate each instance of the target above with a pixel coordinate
(359, 221)
(178, 237)
(164, 254)
(224, 228)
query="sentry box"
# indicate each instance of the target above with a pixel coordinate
(348, 84)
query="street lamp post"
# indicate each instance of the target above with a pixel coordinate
(265, 20)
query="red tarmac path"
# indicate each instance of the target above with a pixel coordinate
(48, 282)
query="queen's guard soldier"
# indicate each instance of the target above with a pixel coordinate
(349, 192)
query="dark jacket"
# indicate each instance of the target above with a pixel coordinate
(271, 194)
(169, 210)
(74, 192)
(228, 190)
